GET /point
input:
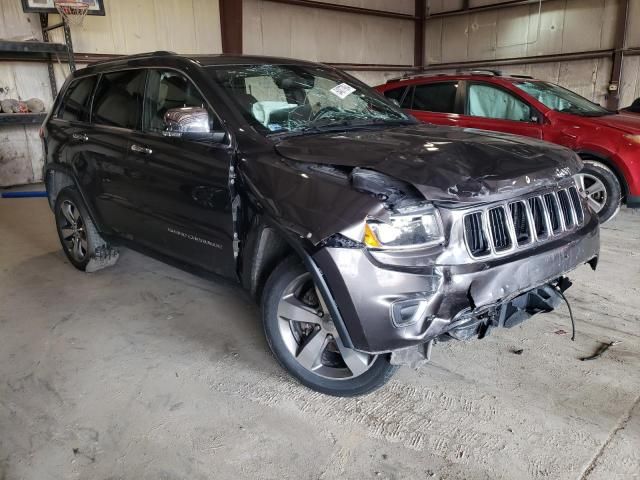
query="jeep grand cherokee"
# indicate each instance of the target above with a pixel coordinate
(366, 236)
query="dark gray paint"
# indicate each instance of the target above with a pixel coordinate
(303, 186)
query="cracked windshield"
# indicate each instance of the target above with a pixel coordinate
(280, 99)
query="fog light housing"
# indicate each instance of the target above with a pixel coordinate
(408, 312)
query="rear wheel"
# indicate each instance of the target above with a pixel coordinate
(601, 188)
(81, 242)
(304, 340)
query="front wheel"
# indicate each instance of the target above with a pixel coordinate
(304, 340)
(601, 188)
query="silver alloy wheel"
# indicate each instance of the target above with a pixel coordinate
(311, 337)
(593, 189)
(72, 230)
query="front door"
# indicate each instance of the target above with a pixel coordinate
(184, 184)
(489, 107)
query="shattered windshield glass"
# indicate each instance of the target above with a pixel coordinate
(279, 99)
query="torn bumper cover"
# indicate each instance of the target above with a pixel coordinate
(393, 301)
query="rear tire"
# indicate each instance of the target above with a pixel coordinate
(303, 340)
(81, 242)
(600, 186)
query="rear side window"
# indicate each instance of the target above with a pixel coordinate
(76, 103)
(118, 99)
(435, 97)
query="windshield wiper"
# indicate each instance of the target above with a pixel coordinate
(583, 113)
(354, 123)
(344, 125)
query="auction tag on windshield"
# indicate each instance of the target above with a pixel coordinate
(342, 90)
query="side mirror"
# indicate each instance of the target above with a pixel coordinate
(189, 123)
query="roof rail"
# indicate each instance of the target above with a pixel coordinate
(415, 75)
(480, 71)
(158, 53)
(472, 71)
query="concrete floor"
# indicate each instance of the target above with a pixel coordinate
(144, 371)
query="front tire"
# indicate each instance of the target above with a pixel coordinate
(303, 339)
(601, 188)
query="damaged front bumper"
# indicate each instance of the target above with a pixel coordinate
(392, 301)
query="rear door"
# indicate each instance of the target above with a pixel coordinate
(69, 125)
(491, 107)
(105, 176)
(183, 186)
(435, 102)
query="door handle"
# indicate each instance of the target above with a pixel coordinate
(80, 136)
(141, 149)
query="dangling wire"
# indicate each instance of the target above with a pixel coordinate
(573, 323)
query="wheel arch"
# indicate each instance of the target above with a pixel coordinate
(267, 245)
(589, 155)
(55, 180)
(58, 177)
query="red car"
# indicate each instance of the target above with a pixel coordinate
(608, 142)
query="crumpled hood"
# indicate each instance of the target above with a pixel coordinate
(445, 164)
(627, 122)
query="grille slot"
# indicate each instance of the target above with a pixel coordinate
(474, 234)
(565, 206)
(495, 229)
(537, 212)
(577, 204)
(552, 210)
(499, 229)
(520, 222)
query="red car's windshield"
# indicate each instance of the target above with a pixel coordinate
(560, 99)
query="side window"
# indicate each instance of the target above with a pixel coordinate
(76, 103)
(167, 91)
(436, 97)
(395, 94)
(118, 99)
(492, 102)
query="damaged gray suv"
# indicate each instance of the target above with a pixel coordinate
(366, 236)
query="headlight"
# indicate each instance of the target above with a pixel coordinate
(413, 227)
(633, 138)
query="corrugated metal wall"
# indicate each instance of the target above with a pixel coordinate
(630, 85)
(559, 26)
(329, 36)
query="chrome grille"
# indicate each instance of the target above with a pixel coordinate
(536, 208)
(577, 205)
(551, 204)
(520, 222)
(503, 228)
(475, 235)
(499, 229)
